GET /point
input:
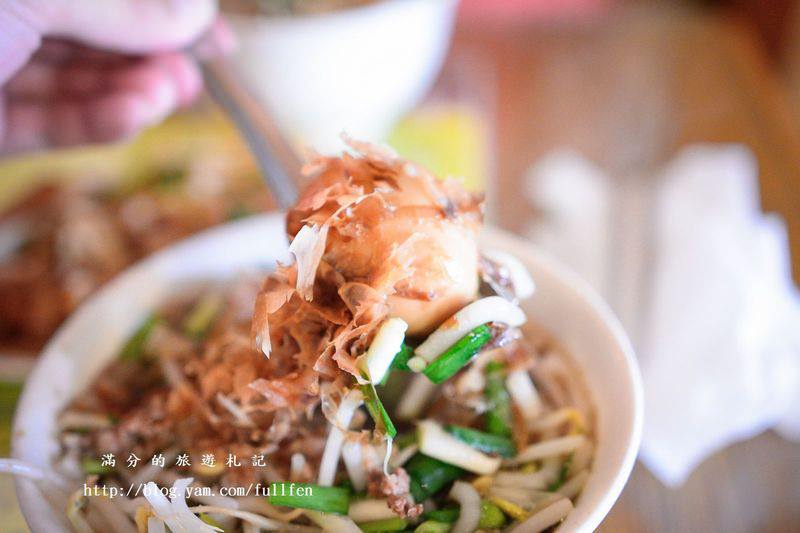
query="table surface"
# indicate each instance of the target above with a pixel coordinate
(697, 77)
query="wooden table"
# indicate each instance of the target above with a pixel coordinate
(697, 77)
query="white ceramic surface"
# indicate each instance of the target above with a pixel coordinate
(95, 332)
(355, 70)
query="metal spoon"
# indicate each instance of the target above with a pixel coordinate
(274, 155)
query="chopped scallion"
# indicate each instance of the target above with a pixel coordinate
(386, 525)
(448, 515)
(485, 442)
(94, 466)
(400, 361)
(492, 516)
(432, 526)
(134, 348)
(429, 475)
(458, 355)
(435, 442)
(498, 415)
(309, 496)
(563, 473)
(201, 317)
(377, 411)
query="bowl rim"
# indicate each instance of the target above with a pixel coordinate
(27, 492)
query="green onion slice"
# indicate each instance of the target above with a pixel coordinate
(432, 526)
(498, 415)
(485, 442)
(492, 516)
(400, 361)
(386, 525)
(448, 515)
(91, 466)
(563, 473)
(458, 355)
(377, 411)
(200, 319)
(429, 475)
(314, 497)
(134, 348)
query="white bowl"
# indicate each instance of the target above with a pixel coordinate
(93, 335)
(354, 69)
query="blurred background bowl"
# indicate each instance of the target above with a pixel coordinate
(355, 70)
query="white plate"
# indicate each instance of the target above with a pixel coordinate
(92, 336)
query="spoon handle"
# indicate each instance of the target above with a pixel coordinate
(278, 162)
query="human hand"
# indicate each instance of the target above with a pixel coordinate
(87, 71)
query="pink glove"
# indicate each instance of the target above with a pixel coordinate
(127, 72)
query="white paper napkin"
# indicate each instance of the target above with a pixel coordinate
(713, 311)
